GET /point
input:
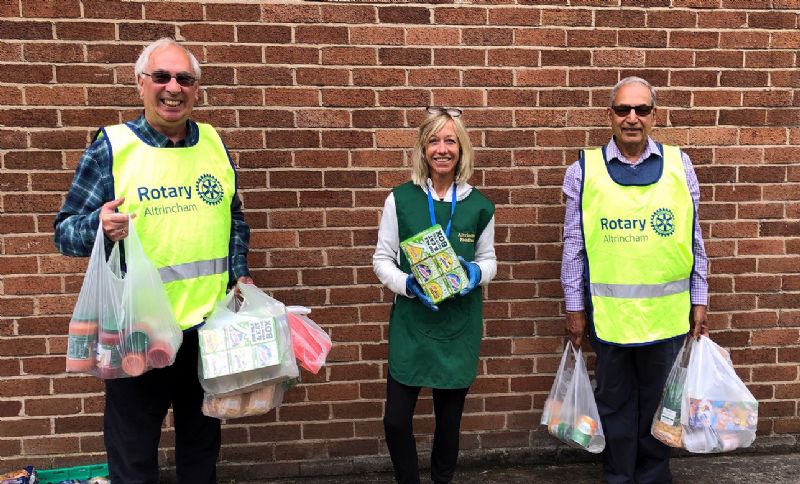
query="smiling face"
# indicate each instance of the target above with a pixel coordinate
(442, 153)
(168, 106)
(631, 131)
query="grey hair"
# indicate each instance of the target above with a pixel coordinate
(144, 57)
(631, 80)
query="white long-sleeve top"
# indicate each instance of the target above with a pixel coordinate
(386, 259)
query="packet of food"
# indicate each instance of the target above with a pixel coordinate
(666, 425)
(19, 476)
(435, 264)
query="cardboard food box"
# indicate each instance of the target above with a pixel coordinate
(435, 264)
(236, 348)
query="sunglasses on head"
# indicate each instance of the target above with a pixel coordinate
(624, 109)
(163, 77)
(436, 110)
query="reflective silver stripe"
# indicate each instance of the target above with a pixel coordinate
(640, 291)
(191, 270)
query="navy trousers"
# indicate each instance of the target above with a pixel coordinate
(630, 381)
(135, 410)
(448, 406)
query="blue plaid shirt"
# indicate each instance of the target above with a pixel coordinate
(77, 221)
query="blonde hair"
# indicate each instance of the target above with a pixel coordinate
(420, 171)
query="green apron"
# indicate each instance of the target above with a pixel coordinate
(438, 349)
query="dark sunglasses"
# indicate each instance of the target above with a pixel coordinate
(452, 112)
(163, 77)
(641, 110)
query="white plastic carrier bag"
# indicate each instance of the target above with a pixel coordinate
(259, 401)
(571, 411)
(243, 348)
(123, 323)
(718, 412)
(310, 342)
(666, 426)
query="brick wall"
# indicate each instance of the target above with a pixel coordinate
(318, 103)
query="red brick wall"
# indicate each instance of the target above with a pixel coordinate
(318, 103)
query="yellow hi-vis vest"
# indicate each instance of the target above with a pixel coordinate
(182, 201)
(639, 250)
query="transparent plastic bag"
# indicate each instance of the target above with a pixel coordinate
(243, 349)
(256, 402)
(123, 324)
(311, 343)
(666, 425)
(150, 335)
(559, 389)
(718, 412)
(99, 305)
(575, 420)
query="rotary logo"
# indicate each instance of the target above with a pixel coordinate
(209, 189)
(663, 222)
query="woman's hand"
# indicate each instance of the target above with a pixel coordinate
(473, 271)
(414, 289)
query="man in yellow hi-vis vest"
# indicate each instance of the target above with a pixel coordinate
(634, 275)
(174, 177)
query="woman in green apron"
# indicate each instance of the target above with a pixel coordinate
(434, 345)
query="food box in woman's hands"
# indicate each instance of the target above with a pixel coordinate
(434, 263)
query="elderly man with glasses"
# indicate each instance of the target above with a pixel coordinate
(176, 182)
(634, 275)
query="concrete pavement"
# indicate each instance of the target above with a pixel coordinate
(722, 469)
(770, 460)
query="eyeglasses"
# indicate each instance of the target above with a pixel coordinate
(436, 110)
(641, 110)
(163, 77)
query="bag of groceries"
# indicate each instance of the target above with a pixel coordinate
(150, 335)
(571, 411)
(666, 425)
(718, 412)
(122, 324)
(244, 348)
(99, 301)
(259, 401)
(559, 389)
(311, 343)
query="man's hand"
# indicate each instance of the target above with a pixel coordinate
(699, 321)
(576, 327)
(115, 225)
(242, 280)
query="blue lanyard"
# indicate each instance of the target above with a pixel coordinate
(452, 210)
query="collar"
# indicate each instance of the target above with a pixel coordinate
(613, 153)
(462, 190)
(154, 138)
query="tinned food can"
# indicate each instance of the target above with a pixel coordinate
(585, 428)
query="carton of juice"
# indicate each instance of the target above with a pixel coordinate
(435, 264)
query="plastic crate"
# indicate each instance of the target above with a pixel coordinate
(80, 472)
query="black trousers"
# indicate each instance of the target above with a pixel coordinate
(448, 405)
(630, 382)
(135, 410)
